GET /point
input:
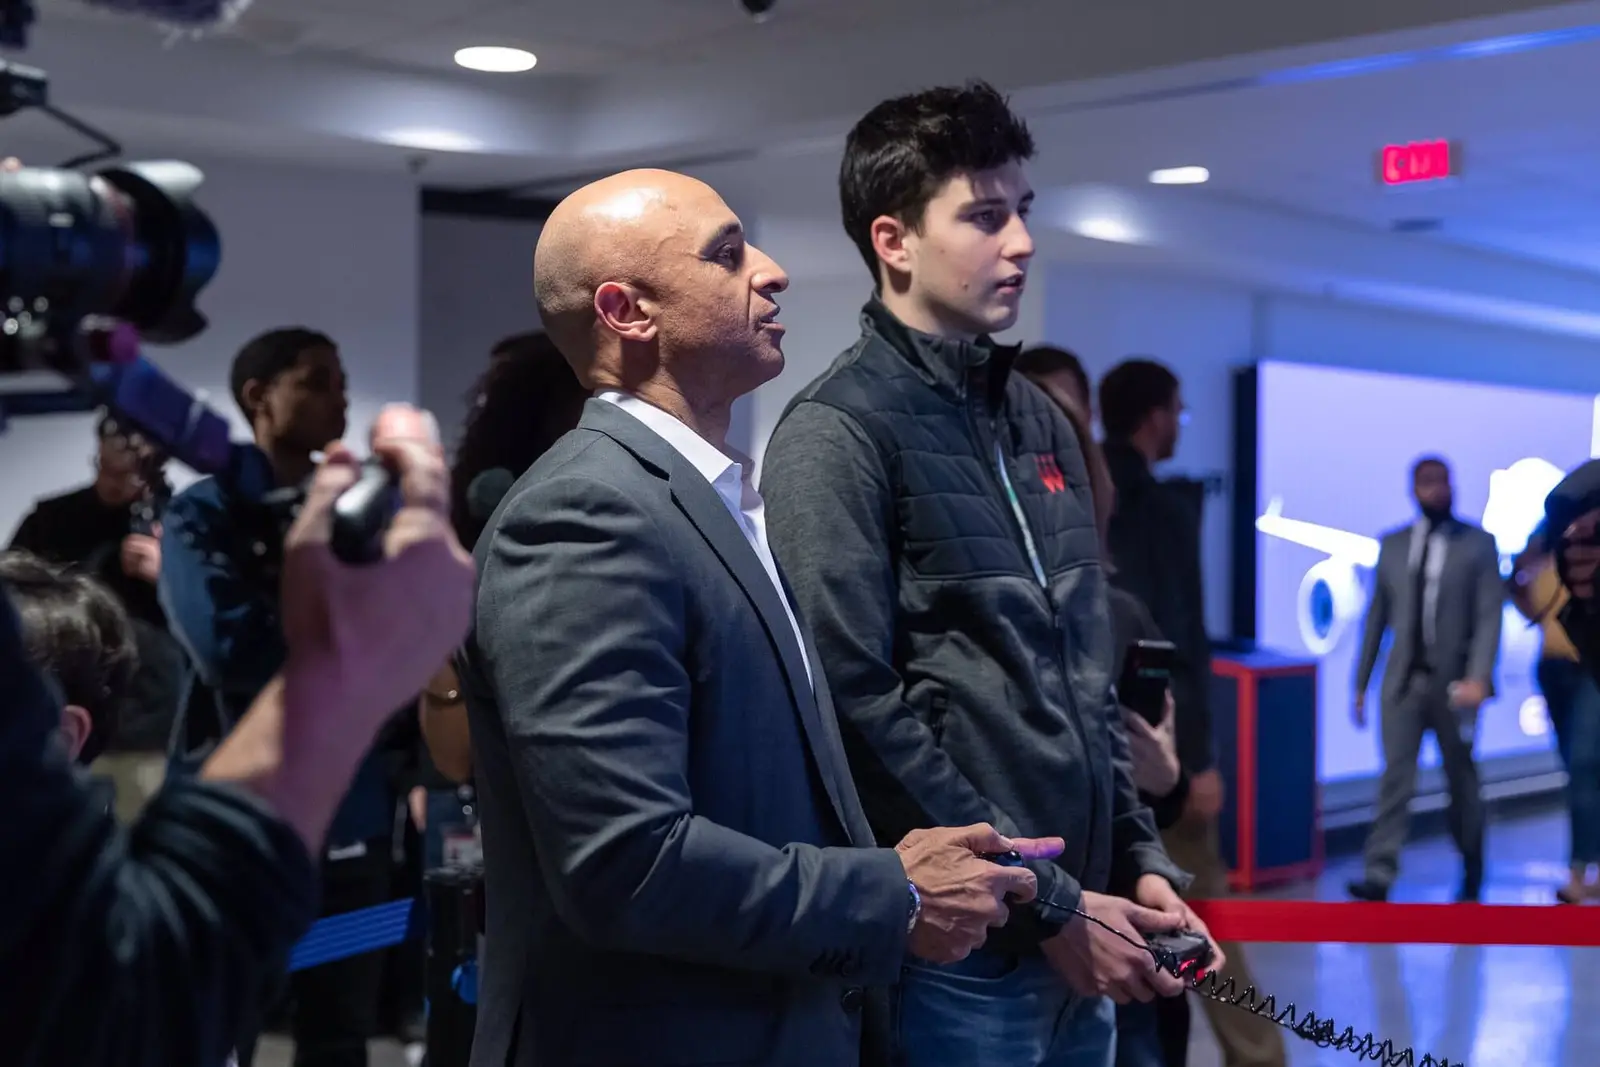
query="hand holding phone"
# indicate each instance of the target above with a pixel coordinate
(1146, 674)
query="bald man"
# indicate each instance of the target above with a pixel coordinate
(678, 868)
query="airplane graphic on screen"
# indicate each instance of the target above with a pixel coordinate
(1333, 592)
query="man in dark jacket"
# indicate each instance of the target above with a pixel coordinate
(933, 513)
(109, 530)
(1154, 540)
(222, 600)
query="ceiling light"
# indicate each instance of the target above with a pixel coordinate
(1180, 176)
(431, 140)
(1100, 228)
(496, 59)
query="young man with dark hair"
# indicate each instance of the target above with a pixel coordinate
(223, 603)
(77, 633)
(932, 511)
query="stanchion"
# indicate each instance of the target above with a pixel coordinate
(454, 898)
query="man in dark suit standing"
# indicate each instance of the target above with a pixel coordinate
(678, 868)
(1437, 590)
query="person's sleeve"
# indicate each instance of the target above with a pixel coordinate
(27, 534)
(1372, 630)
(1168, 810)
(1136, 848)
(1489, 598)
(145, 947)
(229, 625)
(828, 505)
(582, 622)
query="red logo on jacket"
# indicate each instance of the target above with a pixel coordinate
(1050, 474)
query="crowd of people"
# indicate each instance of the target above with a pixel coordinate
(741, 758)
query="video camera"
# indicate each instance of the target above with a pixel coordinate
(90, 263)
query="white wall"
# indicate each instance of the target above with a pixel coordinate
(1204, 330)
(476, 287)
(333, 251)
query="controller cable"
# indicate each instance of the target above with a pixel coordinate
(1322, 1032)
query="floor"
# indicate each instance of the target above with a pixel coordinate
(1478, 1007)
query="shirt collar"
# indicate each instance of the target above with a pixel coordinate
(714, 464)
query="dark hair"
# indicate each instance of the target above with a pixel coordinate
(265, 357)
(1042, 360)
(903, 151)
(1429, 461)
(1130, 391)
(75, 631)
(521, 406)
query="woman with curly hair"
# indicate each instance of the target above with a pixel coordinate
(526, 400)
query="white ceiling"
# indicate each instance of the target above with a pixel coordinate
(676, 81)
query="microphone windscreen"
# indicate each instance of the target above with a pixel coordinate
(485, 492)
(1578, 492)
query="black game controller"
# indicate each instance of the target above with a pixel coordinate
(1006, 859)
(1181, 953)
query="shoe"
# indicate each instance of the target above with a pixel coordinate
(1369, 891)
(1572, 893)
(1471, 891)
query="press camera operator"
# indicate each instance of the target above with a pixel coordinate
(161, 938)
(109, 529)
(221, 598)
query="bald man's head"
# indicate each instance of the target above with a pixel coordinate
(648, 273)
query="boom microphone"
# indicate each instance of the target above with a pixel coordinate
(486, 491)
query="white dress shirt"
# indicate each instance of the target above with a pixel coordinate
(729, 474)
(1438, 545)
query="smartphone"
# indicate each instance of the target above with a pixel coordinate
(1146, 672)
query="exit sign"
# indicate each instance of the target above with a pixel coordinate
(1419, 161)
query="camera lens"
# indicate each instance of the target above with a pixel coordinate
(127, 242)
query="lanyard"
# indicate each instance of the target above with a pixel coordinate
(1022, 522)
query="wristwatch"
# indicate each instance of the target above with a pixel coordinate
(916, 908)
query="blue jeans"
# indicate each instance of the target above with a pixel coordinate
(991, 1009)
(1574, 702)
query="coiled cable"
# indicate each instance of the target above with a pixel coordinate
(1322, 1032)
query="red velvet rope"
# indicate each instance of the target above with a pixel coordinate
(1307, 922)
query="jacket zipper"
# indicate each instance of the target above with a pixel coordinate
(1030, 549)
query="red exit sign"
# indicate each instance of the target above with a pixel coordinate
(1420, 161)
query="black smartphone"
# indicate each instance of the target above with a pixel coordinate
(1146, 672)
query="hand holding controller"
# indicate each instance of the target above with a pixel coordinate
(961, 896)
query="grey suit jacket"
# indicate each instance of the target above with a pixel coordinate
(1467, 614)
(678, 870)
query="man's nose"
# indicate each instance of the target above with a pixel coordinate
(1019, 240)
(769, 277)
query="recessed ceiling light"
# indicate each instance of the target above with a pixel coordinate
(1102, 228)
(431, 140)
(496, 59)
(1180, 176)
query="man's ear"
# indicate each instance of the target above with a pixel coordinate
(76, 725)
(253, 395)
(625, 311)
(889, 241)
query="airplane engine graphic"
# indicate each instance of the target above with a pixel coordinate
(1331, 597)
(1333, 592)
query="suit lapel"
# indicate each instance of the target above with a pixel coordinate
(835, 765)
(717, 525)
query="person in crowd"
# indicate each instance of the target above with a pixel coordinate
(110, 530)
(1572, 700)
(78, 634)
(677, 866)
(526, 400)
(931, 509)
(1437, 590)
(1151, 1035)
(223, 603)
(170, 931)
